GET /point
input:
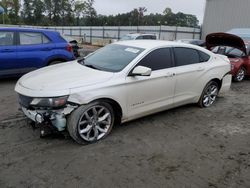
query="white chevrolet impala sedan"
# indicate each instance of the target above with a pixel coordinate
(121, 82)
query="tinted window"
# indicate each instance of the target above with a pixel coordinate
(139, 37)
(6, 38)
(158, 59)
(228, 51)
(147, 37)
(153, 37)
(28, 38)
(203, 57)
(186, 56)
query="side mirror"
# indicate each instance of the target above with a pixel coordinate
(141, 71)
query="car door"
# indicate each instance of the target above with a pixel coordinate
(8, 55)
(190, 66)
(33, 50)
(148, 94)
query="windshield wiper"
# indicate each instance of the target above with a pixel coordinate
(81, 61)
(91, 66)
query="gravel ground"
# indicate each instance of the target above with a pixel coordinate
(183, 147)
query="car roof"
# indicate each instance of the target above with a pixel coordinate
(26, 29)
(151, 44)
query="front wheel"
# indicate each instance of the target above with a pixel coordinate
(90, 123)
(240, 75)
(209, 94)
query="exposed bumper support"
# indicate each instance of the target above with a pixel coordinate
(54, 117)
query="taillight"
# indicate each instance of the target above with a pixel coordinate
(69, 48)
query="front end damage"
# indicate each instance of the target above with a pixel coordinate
(46, 118)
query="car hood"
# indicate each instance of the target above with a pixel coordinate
(63, 76)
(225, 39)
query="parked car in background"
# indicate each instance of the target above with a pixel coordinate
(138, 36)
(235, 49)
(73, 43)
(23, 50)
(121, 82)
(197, 42)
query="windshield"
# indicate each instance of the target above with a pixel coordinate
(112, 58)
(228, 51)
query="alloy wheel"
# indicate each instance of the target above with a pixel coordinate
(94, 123)
(210, 95)
(240, 75)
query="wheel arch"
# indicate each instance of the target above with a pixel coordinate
(115, 105)
(56, 59)
(218, 81)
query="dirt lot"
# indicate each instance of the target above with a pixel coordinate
(184, 147)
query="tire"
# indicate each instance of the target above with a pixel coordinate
(209, 94)
(240, 76)
(91, 123)
(55, 62)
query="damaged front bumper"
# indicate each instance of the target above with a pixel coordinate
(56, 118)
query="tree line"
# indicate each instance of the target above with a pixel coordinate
(83, 13)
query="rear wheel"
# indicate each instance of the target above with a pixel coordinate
(90, 123)
(240, 75)
(209, 94)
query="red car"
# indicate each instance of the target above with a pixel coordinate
(235, 49)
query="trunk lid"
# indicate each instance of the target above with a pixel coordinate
(225, 39)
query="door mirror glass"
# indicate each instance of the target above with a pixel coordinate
(141, 71)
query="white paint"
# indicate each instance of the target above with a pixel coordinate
(138, 95)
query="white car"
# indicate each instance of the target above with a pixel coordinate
(121, 82)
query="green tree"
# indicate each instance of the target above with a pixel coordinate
(12, 8)
(38, 11)
(141, 11)
(27, 12)
(78, 10)
(90, 12)
(48, 10)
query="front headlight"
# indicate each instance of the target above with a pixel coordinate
(52, 102)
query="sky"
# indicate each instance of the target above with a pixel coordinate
(114, 7)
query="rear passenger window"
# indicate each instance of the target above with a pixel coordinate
(139, 37)
(203, 57)
(186, 56)
(29, 38)
(158, 59)
(6, 38)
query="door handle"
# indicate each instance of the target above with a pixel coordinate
(7, 50)
(200, 69)
(170, 74)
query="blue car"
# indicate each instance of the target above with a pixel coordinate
(23, 50)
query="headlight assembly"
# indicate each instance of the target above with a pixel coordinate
(52, 102)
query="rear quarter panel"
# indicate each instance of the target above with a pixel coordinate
(216, 68)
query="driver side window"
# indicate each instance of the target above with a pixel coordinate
(157, 59)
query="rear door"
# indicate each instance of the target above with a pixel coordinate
(34, 50)
(190, 66)
(8, 55)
